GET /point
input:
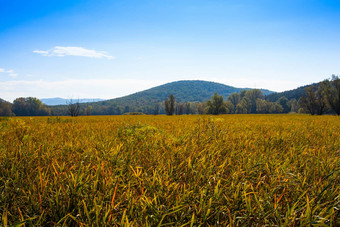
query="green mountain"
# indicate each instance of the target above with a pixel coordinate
(184, 91)
(145, 101)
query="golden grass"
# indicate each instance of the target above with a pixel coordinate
(170, 171)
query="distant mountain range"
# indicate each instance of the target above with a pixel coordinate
(61, 101)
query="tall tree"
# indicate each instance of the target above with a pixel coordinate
(283, 101)
(253, 95)
(313, 102)
(5, 108)
(293, 105)
(179, 108)
(244, 106)
(156, 109)
(29, 106)
(263, 106)
(234, 98)
(188, 108)
(216, 105)
(170, 105)
(230, 107)
(201, 107)
(332, 93)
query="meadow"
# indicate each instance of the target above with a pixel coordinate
(236, 170)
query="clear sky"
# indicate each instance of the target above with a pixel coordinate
(111, 48)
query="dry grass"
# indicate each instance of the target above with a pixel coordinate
(170, 171)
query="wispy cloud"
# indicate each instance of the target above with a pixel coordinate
(73, 51)
(9, 72)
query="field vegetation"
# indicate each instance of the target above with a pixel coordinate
(197, 170)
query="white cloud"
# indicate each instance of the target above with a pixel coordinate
(42, 52)
(73, 51)
(10, 72)
(106, 89)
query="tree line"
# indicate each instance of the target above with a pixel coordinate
(245, 102)
(323, 98)
(317, 100)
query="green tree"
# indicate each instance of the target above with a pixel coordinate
(156, 109)
(88, 110)
(263, 106)
(5, 108)
(275, 107)
(244, 106)
(332, 93)
(188, 108)
(179, 108)
(201, 107)
(293, 105)
(29, 106)
(170, 105)
(216, 105)
(241, 108)
(253, 95)
(283, 101)
(234, 99)
(230, 107)
(313, 101)
(243, 93)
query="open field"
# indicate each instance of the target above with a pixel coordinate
(177, 170)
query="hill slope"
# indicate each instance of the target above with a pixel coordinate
(144, 101)
(184, 91)
(291, 94)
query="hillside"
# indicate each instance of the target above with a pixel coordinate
(145, 101)
(291, 94)
(184, 91)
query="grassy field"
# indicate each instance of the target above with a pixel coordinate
(170, 171)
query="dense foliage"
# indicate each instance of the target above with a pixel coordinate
(273, 170)
(291, 94)
(317, 99)
(29, 106)
(216, 105)
(323, 98)
(5, 108)
(145, 101)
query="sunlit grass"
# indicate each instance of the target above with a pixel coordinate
(178, 170)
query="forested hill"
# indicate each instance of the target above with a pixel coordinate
(291, 94)
(184, 91)
(145, 101)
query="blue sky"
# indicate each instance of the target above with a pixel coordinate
(111, 48)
